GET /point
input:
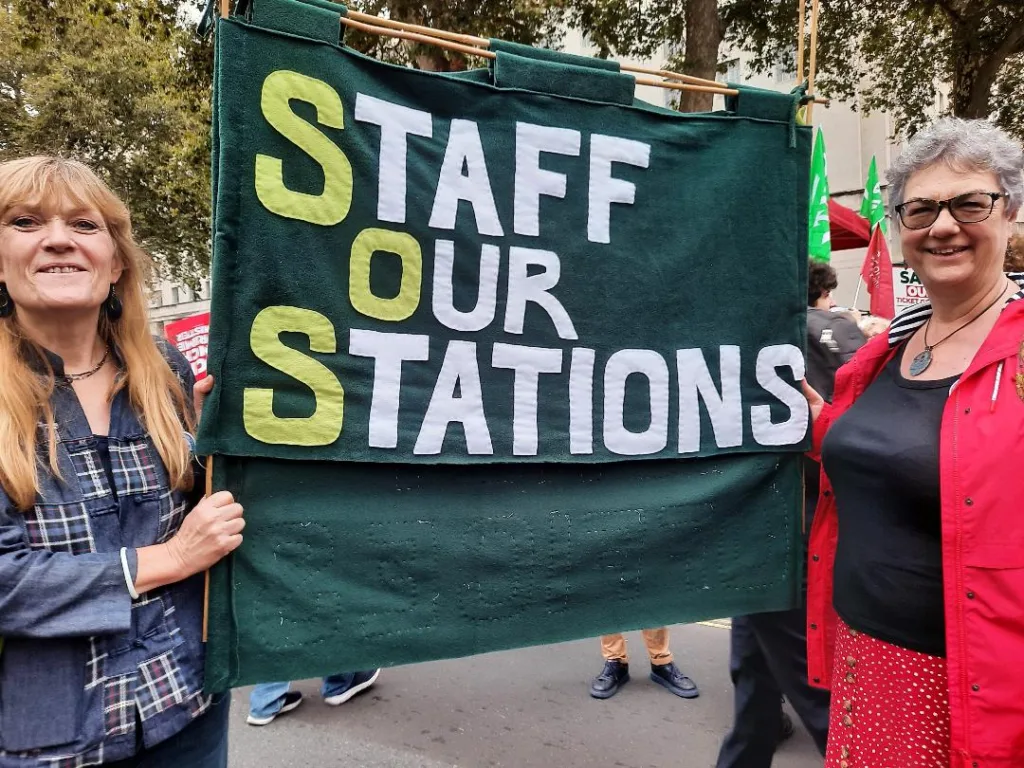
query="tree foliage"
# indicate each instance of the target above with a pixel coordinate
(531, 22)
(123, 87)
(686, 33)
(899, 53)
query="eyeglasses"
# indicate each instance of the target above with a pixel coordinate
(969, 208)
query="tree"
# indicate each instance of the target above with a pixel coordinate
(531, 22)
(125, 88)
(898, 52)
(640, 28)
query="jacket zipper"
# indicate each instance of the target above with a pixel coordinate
(958, 603)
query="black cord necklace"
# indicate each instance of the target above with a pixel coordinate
(91, 371)
(923, 359)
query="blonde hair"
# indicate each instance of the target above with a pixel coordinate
(154, 390)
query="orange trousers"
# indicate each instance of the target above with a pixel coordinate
(613, 647)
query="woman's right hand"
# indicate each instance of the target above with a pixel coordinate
(209, 532)
(814, 401)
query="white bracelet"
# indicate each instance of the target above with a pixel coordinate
(128, 574)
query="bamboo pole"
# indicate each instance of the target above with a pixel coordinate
(450, 41)
(800, 24)
(812, 70)
(206, 582)
(484, 43)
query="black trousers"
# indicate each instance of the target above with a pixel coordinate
(768, 659)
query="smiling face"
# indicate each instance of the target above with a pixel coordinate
(56, 259)
(950, 256)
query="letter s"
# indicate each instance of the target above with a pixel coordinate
(331, 205)
(324, 426)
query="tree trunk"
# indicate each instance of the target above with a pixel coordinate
(703, 36)
(975, 74)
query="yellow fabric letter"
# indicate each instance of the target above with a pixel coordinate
(369, 242)
(324, 426)
(331, 205)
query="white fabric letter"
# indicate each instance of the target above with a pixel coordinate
(442, 297)
(581, 401)
(464, 148)
(532, 181)
(459, 368)
(725, 409)
(617, 438)
(604, 188)
(396, 124)
(524, 288)
(528, 363)
(389, 351)
(793, 429)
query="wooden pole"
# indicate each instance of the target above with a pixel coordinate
(800, 23)
(206, 584)
(225, 8)
(812, 70)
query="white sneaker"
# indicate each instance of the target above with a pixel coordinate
(360, 682)
(292, 699)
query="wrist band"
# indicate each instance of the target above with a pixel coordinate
(128, 574)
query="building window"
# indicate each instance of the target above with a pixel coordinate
(785, 67)
(175, 295)
(732, 71)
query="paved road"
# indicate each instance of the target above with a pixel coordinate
(527, 708)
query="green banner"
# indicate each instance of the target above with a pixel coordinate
(491, 347)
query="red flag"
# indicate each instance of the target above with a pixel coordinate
(877, 274)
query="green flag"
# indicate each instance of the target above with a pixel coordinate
(819, 245)
(872, 207)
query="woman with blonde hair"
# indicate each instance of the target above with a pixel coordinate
(103, 534)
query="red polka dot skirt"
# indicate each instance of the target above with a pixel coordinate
(890, 706)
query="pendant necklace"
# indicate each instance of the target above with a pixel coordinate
(91, 371)
(923, 359)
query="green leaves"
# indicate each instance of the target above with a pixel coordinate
(900, 55)
(125, 88)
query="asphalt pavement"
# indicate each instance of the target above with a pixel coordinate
(527, 708)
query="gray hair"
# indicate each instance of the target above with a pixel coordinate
(965, 145)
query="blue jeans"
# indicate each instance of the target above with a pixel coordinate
(266, 698)
(203, 743)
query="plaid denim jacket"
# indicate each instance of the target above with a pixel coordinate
(82, 663)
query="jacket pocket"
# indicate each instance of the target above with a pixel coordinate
(42, 692)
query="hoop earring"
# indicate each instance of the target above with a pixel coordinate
(112, 306)
(6, 302)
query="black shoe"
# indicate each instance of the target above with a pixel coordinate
(669, 676)
(788, 729)
(614, 675)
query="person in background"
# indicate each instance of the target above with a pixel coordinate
(104, 536)
(664, 672)
(268, 700)
(916, 575)
(768, 651)
(832, 337)
(872, 325)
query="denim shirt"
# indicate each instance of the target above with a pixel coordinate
(83, 666)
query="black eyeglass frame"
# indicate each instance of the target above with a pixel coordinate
(948, 205)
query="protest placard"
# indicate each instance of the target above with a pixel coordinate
(908, 290)
(191, 336)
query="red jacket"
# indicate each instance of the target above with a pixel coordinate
(981, 466)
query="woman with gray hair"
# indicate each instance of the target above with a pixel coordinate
(916, 570)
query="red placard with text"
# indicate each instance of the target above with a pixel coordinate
(191, 335)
